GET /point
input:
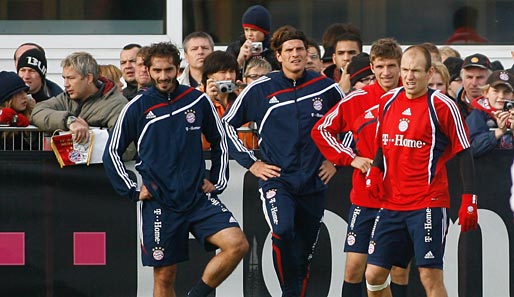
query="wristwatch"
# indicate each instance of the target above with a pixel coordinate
(70, 120)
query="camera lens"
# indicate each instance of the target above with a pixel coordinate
(223, 89)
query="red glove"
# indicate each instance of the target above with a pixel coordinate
(375, 183)
(22, 121)
(468, 216)
(6, 115)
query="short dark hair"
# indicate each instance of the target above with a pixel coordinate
(131, 46)
(424, 51)
(348, 36)
(162, 50)
(313, 43)
(286, 33)
(218, 61)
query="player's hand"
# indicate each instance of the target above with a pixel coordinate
(375, 183)
(207, 186)
(327, 170)
(80, 129)
(264, 171)
(362, 163)
(144, 194)
(468, 215)
(344, 82)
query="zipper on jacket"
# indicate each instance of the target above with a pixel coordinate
(299, 141)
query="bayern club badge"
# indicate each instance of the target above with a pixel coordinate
(317, 103)
(158, 253)
(350, 239)
(190, 116)
(371, 247)
(403, 125)
(271, 193)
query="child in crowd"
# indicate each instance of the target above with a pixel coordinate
(15, 110)
(492, 118)
(256, 24)
(15, 105)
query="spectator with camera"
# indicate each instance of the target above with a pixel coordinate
(219, 83)
(256, 24)
(490, 122)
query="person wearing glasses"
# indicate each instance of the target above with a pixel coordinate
(314, 61)
(255, 68)
(360, 72)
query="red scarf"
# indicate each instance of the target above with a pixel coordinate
(482, 103)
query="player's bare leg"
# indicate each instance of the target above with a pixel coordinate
(432, 280)
(164, 281)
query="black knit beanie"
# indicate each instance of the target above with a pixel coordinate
(454, 66)
(359, 68)
(34, 59)
(257, 17)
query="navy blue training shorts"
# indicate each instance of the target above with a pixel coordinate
(399, 234)
(360, 223)
(165, 232)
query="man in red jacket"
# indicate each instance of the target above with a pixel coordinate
(357, 114)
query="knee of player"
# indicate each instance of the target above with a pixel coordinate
(354, 272)
(238, 247)
(431, 277)
(376, 276)
(400, 275)
(165, 276)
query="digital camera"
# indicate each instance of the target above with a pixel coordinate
(508, 105)
(226, 86)
(256, 48)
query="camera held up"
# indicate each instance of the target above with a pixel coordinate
(226, 86)
(256, 48)
(508, 105)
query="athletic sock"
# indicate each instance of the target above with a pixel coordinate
(398, 290)
(201, 289)
(352, 290)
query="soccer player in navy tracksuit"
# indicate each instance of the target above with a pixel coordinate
(166, 123)
(292, 173)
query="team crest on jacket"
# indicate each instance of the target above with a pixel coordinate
(317, 103)
(404, 125)
(271, 193)
(190, 116)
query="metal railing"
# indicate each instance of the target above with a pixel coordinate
(23, 138)
(32, 139)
